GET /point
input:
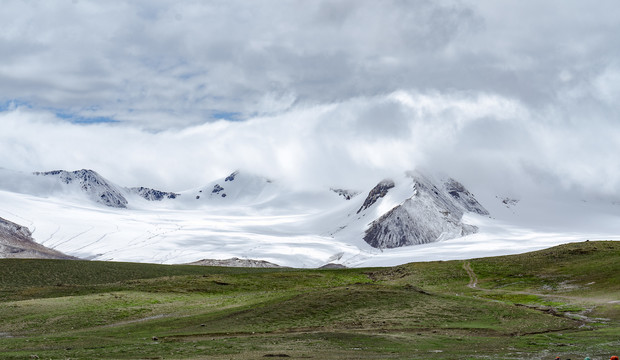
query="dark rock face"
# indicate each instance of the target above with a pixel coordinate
(509, 202)
(93, 184)
(346, 194)
(462, 196)
(376, 193)
(431, 214)
(217, 189)
(152, 194)
(231, 177)
(16, 242)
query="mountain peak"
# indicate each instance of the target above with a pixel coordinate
(432, 213)
(379, 191)
(93, 184)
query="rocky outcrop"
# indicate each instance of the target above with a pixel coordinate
(231, 177)
(152, 194)
(236, 262)
(376, 193)
(91, 183)
(463, 197)
(16, 242)
(346, 194)
(332, 266)
(433, 213)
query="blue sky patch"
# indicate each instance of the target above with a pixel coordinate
(13, 104)
(226, 115)
(78, 119)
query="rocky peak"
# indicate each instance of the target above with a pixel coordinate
(463, 197)
(379, 191)
(152, 194)
(93, 184)
(432, 213)
(347, 194)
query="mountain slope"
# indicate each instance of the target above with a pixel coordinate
(238, 188)
(91, 183)
(16, 242)
(152, 194)
(431, 214)
(524, 307)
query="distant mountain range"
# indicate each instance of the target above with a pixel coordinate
(103, 191)
(254, 218)
(426, 213)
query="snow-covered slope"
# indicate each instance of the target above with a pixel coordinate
(263, 219)
(94, 185)
(98, 189)
(431, 214)
(238, 188)
(152, 194)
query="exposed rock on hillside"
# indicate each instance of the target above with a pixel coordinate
(464, 197)
(16, 242)
(152, 194)
(376, 193)
(93, 184)
(431, 214)
(333, 266)
(347, 194)
(236, 262)
(231, 177)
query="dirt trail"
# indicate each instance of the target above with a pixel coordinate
(581, 316)
(473, 284)
(473, 279)
(126, 322)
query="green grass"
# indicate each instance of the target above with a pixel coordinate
(525, 306)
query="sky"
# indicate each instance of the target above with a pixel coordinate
(517, 95)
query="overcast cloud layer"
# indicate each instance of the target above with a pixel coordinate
(172, 94)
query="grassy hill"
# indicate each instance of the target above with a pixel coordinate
(561, 301)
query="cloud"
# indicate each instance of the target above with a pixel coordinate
(488, 141)
(313, 92)
(164, 64)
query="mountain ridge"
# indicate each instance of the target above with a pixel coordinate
(270, 220)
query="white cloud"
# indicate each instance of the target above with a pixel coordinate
(330, 93)
(484, 140)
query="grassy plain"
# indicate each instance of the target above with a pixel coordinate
(563, 301)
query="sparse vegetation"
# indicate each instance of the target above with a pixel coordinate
(560, 301)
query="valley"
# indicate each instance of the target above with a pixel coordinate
(561, 301)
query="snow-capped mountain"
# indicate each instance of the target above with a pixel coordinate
(92, 184)
(411, 217)
(432, 213)
(236, 188)
(101, 190)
